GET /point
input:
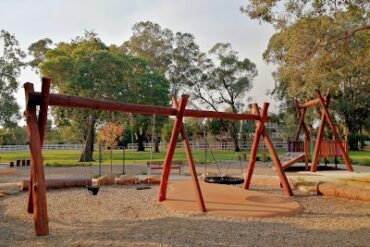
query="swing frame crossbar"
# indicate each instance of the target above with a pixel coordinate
(36, 125)
(301, 110)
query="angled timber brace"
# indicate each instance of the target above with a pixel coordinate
(260, 131)
(36, 130)
(301, 124)
(325, 117)
(177, 129)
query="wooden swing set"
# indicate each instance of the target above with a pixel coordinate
(323, 148)
(36, 124)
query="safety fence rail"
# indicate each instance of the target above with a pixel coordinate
(195, 145)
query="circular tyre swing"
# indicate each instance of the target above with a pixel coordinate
(223, 180)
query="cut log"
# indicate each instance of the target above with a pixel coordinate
(151, 180)
(60, 183)
(127, 180)
(344, 191)
(106, 180)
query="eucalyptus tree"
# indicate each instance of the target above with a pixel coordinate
(37, 52)
(224, 83)
(152, 43)
(150, 88)
(324, 45)
(11, 63)
(190, 70)
(87, 67)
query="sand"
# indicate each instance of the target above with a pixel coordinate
(123, 216)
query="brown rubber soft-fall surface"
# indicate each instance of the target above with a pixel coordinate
(228, 200)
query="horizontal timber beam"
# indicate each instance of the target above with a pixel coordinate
(107, 105)
(310, 103)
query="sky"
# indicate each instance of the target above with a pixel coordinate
(210, 21)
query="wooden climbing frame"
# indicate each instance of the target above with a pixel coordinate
(260, 131)
(325, 118)
(36, 125)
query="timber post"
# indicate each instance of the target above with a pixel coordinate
(256, 140)
(335, 133)
(191, 163)
(38, 186)
(270, 147)
(320, 133)
(171, 148)
(42, 121)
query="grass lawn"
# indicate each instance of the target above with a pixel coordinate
(70, 157)
(360, 157)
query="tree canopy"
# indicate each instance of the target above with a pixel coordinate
(11, 63)
(88, 67)
(144, 69)
(320, 45)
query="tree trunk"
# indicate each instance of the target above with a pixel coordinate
(156, 144)
(353, 130)
(87, 153)
(236, 143)
(234, 135)
(141, 138)
(140, 142)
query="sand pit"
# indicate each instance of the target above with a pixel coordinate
(225, 200)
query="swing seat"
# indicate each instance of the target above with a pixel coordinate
(93, 189)
(223, 180)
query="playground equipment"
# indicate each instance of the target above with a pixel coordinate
(60, 183)
(36, 125)
(323, 148)
(328, 149)
(222, 178)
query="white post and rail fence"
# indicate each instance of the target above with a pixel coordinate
(195, 145)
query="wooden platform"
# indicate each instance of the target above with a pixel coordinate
(228, 200)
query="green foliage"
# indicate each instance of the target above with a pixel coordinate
(357, 141)
(151, 43)
(38, 50)
(194, 128)
(14, 136)
(167, 130)
(63, 134)
(231, 79)
(320, 45)
(180, 59)
(226, 82)
(11, 63)
(188, 64)
(284, 13)
(87, 67)
(218, 127)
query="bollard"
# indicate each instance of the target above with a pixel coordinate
(18, 162)
(23, 162)
(11, 164)
(28, 163)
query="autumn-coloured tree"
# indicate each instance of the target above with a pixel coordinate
(109, 135)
